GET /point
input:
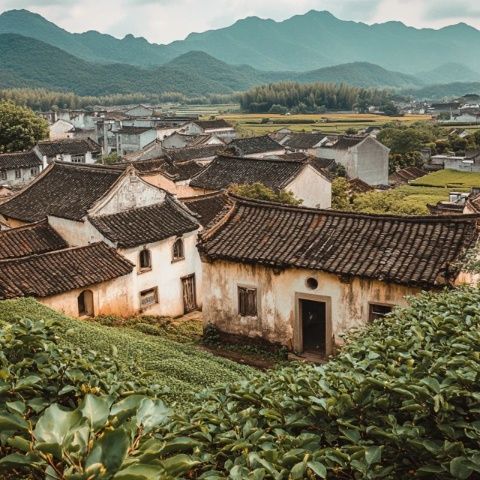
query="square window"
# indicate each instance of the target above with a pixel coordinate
(78, 158)
(378, 311)
(148, 298)
(247, 302)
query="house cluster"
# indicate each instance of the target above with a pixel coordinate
(159, 233)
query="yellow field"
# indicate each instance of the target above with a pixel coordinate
(251, 124)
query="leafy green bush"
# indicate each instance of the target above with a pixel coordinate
(402, 400)
(258, 191)
(143, 359)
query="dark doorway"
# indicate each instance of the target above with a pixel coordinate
(314, 326)
(189, 294)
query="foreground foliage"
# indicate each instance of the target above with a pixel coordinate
(402, 400)
(20, 128)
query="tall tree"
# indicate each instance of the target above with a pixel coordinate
(20, 128)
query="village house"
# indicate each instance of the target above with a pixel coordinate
(160, 240)
(307, 143)
(303, 277)
(61, 129)
(19, 168)
(362, 156)
(182, 140)
(133, 139)
(68, 150)
(81, 281)
(139, 111)
(113, 205)
(257, 147)
(219, 127)
(202, 154)
(301, 178)
(470, 162)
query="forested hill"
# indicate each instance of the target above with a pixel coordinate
(301, 43)
(27, 62)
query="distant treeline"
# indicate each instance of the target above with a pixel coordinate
(313, 97)
(40, 99)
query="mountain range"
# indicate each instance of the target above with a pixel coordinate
(306, 48)
(303, 42)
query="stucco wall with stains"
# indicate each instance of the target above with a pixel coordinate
(312, 187)
(277, 299)
(114, 297)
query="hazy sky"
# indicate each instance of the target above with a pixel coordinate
(163, 21)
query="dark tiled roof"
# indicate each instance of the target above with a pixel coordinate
(72, 146)
(208, 207)
(28, 240)
(345, 142)
(359, 186)
(145, 225)
(303, 141)
(473, 203)
(61, 271)
(212, 124)
(446, 208)
(253, 145)
(129, 130)
(193, 153)
(10, 161)
(65, 190)
(417, 251)
(405, 175)
(182, 171)
(225, 171)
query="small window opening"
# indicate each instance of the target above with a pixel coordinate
(312, 283)
(145, 260)
(178, 250)
(247, 302)
(378, 311)
(85, 303)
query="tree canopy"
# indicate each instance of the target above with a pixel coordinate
(258, 191)
(20, 128)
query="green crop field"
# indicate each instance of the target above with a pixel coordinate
(181, 370)
(251, 124)
(449, 179)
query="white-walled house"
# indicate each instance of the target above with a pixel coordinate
(70, 150)
(19, 168)
(182, 140)
(133, 139)
(300, 177)
(218, 127)
(151, 230)
(363, 157)
(303, 277)
(61, 129)
(139, 111)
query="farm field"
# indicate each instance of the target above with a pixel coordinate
(251, 124)
(179, 369)
(449, 179)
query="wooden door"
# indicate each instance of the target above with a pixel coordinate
(189, 294)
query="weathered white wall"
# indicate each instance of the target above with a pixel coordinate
(370, 160)
(114, 297)
(75, 233)
(139, 111)
(130, 192)
(26, 174)
(313, 188)
(133, 143)
(166, 274)
(61, 129)
(277, 299)
(272, 153)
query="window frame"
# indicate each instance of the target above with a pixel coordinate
(372, 316)
(154, 291)
(3, 175)
(243, 307)
(18, 173)
(75, 158)
(148, 267)
(178, 241)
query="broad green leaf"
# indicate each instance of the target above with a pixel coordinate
(110, 450)
(140, 472)
(460, 467)
(55, 424)
(96, 410)
(318, 468)
(151, 414)
(11, 422)
(373, 455)
(179, 465)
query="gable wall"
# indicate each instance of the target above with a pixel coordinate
(311, 187)
(130, 192)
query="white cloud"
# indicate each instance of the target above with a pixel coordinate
(167, 20)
